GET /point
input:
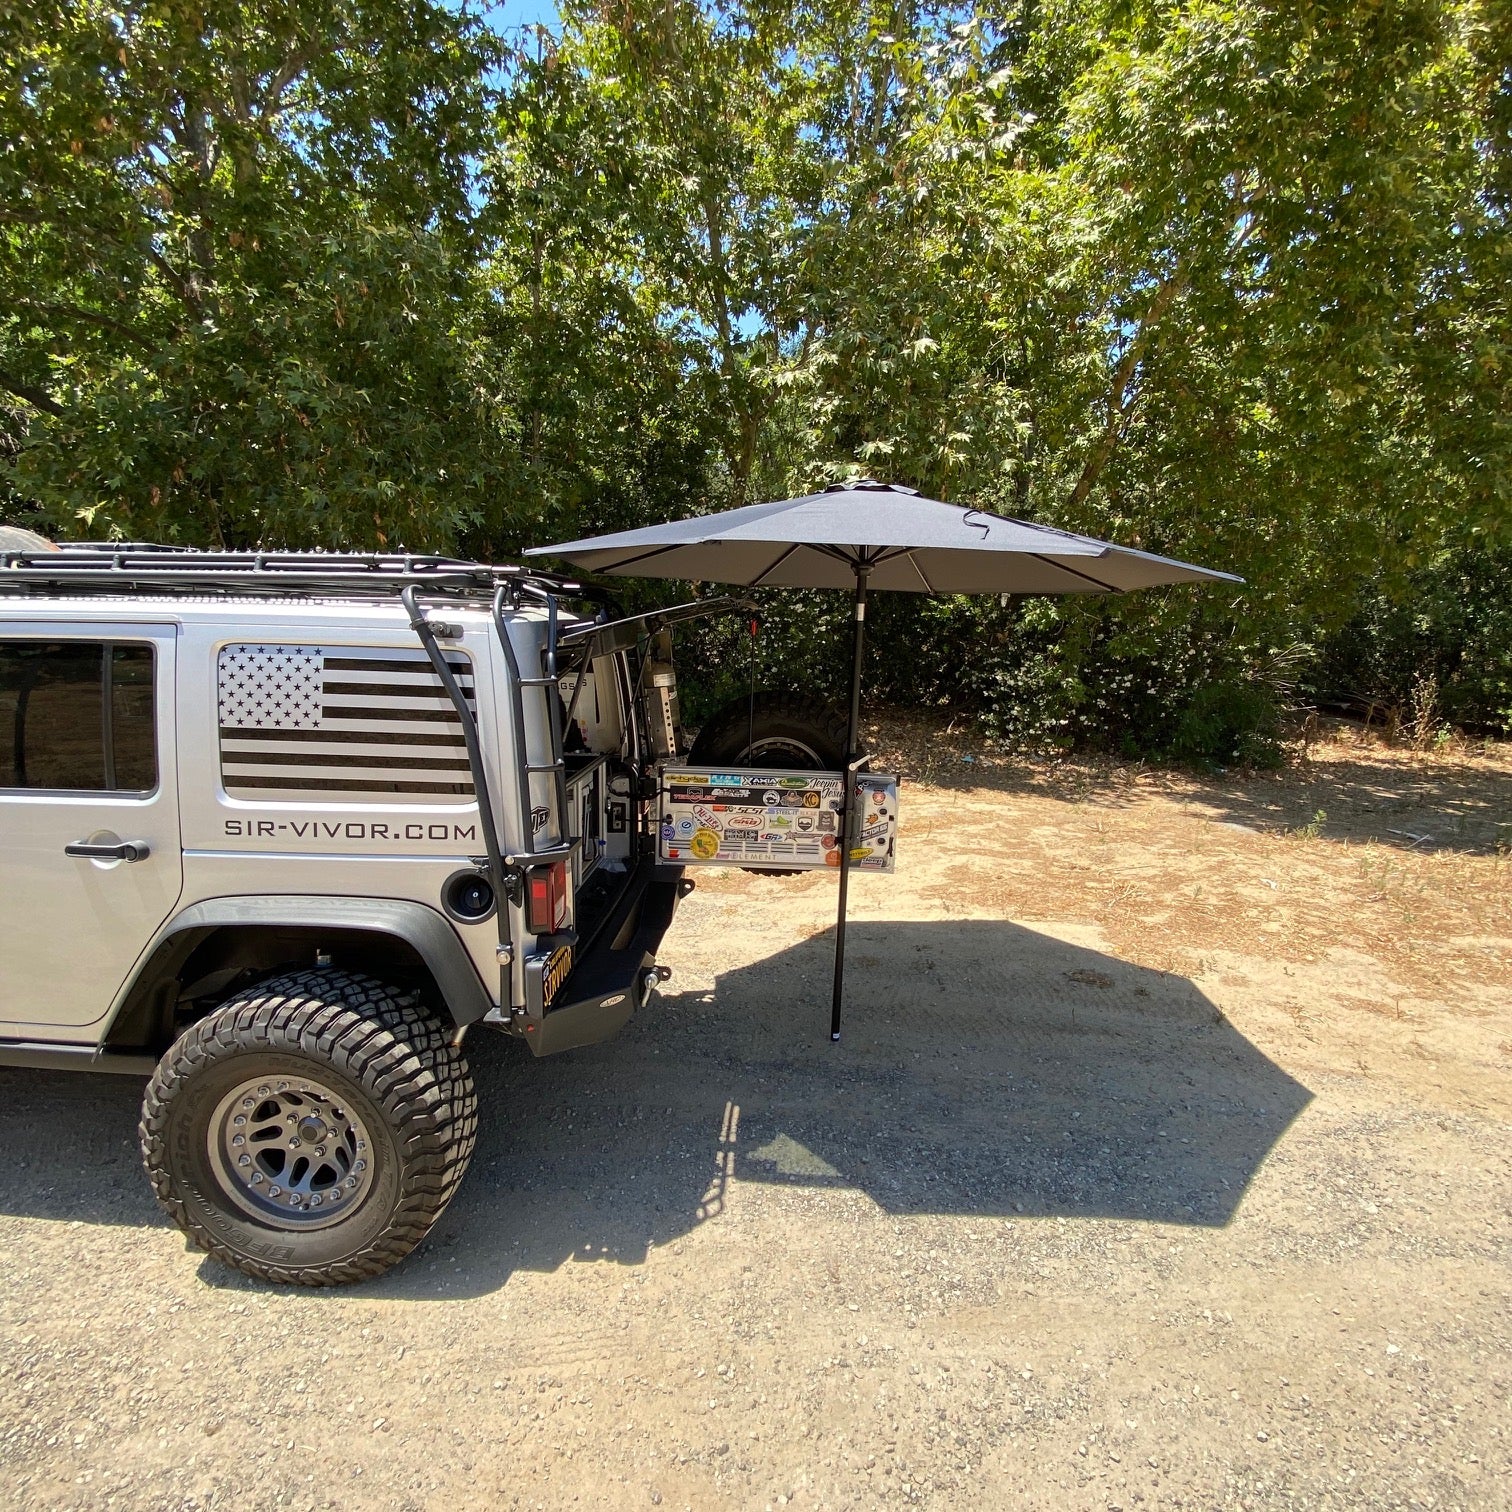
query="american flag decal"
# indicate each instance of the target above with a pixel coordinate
(349, 724)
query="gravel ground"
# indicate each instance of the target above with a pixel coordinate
(1053, 1226)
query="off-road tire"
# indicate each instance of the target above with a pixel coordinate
(781, 718)
(386, 1055)
(774, 717)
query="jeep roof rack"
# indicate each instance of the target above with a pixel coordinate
(148, 567)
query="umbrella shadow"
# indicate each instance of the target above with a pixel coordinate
(987, 1071)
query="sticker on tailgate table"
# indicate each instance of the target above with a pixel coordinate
(775, 818)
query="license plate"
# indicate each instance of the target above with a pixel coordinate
(555, 974)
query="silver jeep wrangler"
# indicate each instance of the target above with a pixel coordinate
(279, 829)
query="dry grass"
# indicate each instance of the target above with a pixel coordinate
(1359, 848)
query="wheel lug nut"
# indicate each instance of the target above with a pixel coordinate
(239, 1120)
(273, 1191)
(244, 1160)
(248, 1102)
(319, 1152)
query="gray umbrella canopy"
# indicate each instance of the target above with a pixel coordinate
(909, 544)
(874, 535)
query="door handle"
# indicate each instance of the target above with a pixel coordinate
(122, 850)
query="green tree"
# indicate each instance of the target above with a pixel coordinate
(238, 270)
(1223, 280)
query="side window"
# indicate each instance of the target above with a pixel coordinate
(77, 716)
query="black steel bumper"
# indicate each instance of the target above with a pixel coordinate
(611, 977)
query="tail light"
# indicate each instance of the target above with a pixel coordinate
(546, 898)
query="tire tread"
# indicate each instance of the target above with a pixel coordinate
(381, 1037)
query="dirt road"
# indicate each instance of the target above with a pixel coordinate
(1164, 1163)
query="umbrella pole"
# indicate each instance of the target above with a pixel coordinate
(852, 745)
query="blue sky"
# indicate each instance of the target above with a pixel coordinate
(521, 13)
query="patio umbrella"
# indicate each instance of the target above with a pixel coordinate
(865, 535)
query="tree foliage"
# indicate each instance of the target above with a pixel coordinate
(239, 295)
(1228, 281)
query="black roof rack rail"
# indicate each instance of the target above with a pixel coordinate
(146, 567)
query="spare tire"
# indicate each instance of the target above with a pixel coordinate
(18, 538)
(773, 730)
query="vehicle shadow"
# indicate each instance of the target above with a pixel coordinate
(987, 1070)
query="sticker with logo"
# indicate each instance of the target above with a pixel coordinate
(705, 844)
(806, 822)
(555, 973)
(771, 798)
(826, 823)
(793, 782)
(780, 822)
(708, 818)
(811, 800)
(744, 822)
(684, 826)
(724, 779)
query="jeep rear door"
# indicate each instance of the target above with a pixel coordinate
(90, 856)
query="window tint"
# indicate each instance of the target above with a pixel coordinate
(76, 715)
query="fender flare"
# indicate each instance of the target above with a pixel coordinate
(424, 929)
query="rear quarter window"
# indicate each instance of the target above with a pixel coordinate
(77, 716)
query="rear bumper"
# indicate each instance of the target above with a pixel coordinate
(609, 980)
